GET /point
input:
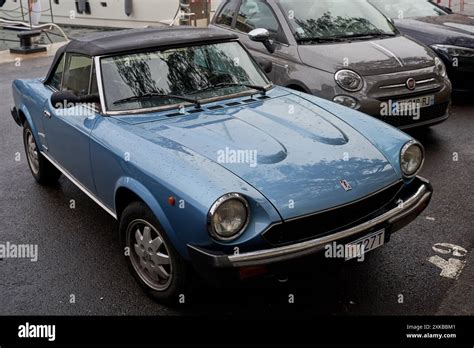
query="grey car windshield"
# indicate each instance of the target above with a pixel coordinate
(407, 8)
(322, 19)
(156, 79)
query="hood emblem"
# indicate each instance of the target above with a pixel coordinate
(411, 83)
(345, 185)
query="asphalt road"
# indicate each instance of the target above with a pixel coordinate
(79, 252)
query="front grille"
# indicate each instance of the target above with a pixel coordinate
(426, 114)
(329, 221)
(423, 82)
(409, 95)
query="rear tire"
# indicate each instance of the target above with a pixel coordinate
(41, 169)
(153, 261)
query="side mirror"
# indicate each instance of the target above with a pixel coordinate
(447, 9)
(263, 36)
(265, 64)
(66, 99)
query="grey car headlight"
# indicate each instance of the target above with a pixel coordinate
(440, 67)
(349, 80)
(454, 51)
(412, 157)
(228, 217)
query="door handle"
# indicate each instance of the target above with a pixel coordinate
(47, 114)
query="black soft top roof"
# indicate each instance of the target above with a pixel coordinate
(112, 42)
(122, 41)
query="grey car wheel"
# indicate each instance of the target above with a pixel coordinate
(41, 169)
(32, 152)
(149, 255)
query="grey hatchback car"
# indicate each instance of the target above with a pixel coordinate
(345, 51)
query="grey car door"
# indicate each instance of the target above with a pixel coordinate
(252, 14)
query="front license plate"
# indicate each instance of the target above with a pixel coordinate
(365, 244)
(423, 101)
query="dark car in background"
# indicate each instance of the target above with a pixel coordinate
(450, 35)
(345, 51)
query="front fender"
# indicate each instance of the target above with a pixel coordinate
(149, 199)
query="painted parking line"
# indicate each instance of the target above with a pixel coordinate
(452, 267)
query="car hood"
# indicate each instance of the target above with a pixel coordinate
(372, 57)
(455, 29)
(292, 151)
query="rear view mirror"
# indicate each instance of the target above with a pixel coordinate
(447, 9)
(67, 99)
(263, 36)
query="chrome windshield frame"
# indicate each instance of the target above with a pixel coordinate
(106, 112)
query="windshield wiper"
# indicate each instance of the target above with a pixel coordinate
(320, 39)
(338, 38)
(262, 89)
(368, 34)
(158, 95)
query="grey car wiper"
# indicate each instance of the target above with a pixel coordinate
(262, 89)
(368, 34)
(321, 39)
(158, 95)
(338, 38)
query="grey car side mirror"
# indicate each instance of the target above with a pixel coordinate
(447, 9)
(265, 64)
(262, 35)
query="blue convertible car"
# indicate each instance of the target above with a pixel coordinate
(178, 134)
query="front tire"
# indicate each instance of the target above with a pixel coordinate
(41, 169)
(150, 256)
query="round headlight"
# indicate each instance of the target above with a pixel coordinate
(349, 80)
(440, 67)
(411, 158)
(454, 51)
(228, 217)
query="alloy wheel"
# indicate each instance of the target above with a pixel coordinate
(149, 255)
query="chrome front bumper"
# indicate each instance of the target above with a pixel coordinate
(392, 220)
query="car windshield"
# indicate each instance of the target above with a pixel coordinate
(179, 76)
(398, 9)
(329, 19)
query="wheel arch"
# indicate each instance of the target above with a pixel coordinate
(25, 116)
(129, 190)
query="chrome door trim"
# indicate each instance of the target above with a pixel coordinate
(79, 185)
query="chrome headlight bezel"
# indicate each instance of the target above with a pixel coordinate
(339, 75)
(440, 67)
(454, 51)
(403, 152)
(215, 207)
